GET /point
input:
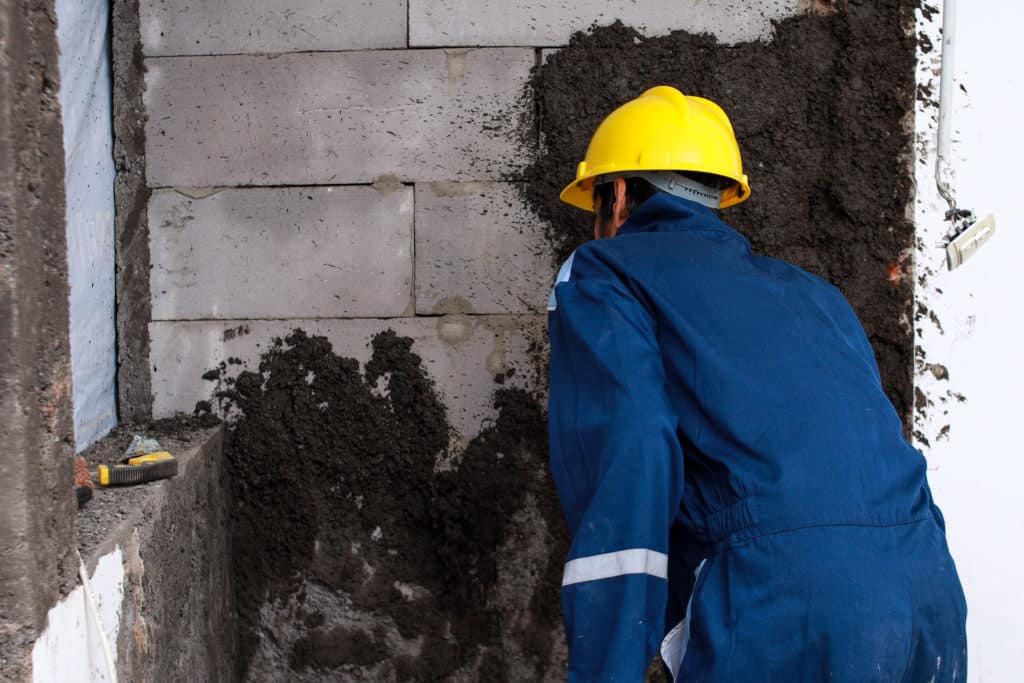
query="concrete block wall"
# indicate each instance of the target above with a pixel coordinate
(349, 167)
(346, 168)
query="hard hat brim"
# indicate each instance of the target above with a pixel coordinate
(579, 194)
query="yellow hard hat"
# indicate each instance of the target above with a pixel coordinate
(662, 130)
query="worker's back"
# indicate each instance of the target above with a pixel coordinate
(779, 400)
(739, 396)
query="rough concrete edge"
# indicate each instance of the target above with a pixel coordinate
(120, 534)
(137, 639)
(131, 197)
(35, 401)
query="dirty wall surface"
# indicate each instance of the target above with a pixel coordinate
(393, 517)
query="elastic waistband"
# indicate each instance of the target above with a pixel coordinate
(720, 525)
(748, 518)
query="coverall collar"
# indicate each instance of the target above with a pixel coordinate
(666, 213)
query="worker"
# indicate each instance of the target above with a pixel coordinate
(707, 400)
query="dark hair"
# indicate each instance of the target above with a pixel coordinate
(639, 191)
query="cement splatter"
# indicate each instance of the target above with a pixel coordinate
(935, 393)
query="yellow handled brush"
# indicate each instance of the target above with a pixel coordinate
(139, 470)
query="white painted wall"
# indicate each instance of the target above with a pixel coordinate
(69, 649)
(85, 97)
(977, 471)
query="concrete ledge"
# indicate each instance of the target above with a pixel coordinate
(161, 553)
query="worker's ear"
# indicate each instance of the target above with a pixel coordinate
(620, 214)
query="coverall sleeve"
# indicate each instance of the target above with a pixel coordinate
(618, 467)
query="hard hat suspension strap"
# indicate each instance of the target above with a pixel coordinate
(674, 184)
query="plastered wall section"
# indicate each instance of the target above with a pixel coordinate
(85, 97)
(350, 172)
(973, 456)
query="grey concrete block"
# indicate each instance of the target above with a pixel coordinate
(463, 354)
(334, 118)
(441, 23)
(206, 27)
(479, 249)
(282, 253)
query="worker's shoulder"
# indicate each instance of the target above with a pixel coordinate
(692, 260)
(608, 259)
(589, 258)
(597, 260)
(792, 271)
(635, 248)
(794, 278)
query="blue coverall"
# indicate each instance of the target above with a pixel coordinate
(706, 399)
